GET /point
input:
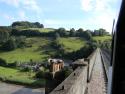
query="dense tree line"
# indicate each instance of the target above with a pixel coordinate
(61, 32)
(100, 32)
(27, 24)
(31, 33)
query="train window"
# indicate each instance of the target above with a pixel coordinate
(62, 46)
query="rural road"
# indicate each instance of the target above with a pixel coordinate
(6, 88)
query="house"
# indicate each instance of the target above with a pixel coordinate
(56, 65)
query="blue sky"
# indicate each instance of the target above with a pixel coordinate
(86, 14)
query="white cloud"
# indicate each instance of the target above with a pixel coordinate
(101, 21)
(101, 5)
(95, 5)
(87, 5)
(68, 24)
(102, 12)
(31, 5)
(11, 2)
(22, 15)
(26, 4)
(8, 17)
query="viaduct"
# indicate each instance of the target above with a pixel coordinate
(82, 80)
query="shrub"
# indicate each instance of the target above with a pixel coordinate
(26, 69)
(3, 62)
(40, 74)
(14, 64)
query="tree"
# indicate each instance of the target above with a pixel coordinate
(87, 35)
(26, 69)
(9, 45)
(62, 32)
(40, 74)
(96, 33)
(26, 24)
(21, 23)
(80, 32)
(72, 32)
(2, 62)
(100, 32)
(56, 35)
(38, 25)
(4, 35)
(20, 41)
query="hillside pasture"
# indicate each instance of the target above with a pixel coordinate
(35, 52)
(102, 38)
(72, 43)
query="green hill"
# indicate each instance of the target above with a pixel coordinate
(40, 49)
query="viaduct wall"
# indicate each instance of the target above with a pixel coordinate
(91, 61)
(76, 82)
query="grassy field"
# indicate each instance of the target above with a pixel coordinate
(15, 76)
(102, 38)
(72, 44)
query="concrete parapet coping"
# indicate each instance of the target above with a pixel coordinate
(67, 84)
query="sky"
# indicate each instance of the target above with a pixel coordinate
(86, 14)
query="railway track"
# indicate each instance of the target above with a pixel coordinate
(98, 83)
(106, 58)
